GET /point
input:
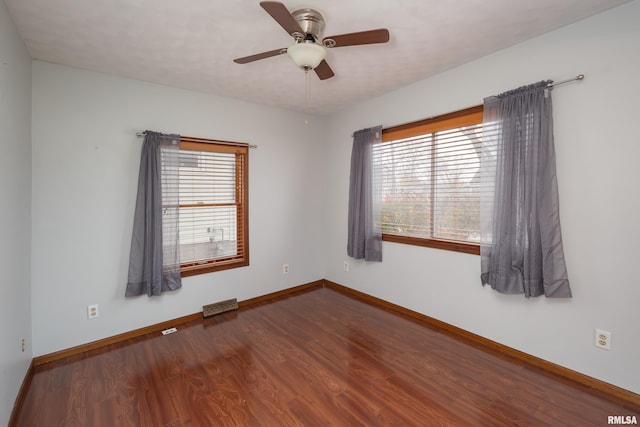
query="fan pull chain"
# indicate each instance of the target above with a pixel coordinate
(307, 93)
(308, 89)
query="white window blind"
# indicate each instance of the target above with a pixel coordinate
(212, 214)
(430, 179)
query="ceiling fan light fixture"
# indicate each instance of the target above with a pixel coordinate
(307, 55)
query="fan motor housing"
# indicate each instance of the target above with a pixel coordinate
(311, 21)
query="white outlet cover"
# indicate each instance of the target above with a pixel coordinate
(603, 339)
(92, 311)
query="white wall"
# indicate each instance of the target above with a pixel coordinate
(15, 225)
(85, 170)
(597, 149)
(85, 161)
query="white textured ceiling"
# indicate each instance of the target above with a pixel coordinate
(191, 44)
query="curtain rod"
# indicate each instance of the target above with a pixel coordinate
(237, 144)
(578, 77)
(551, 84)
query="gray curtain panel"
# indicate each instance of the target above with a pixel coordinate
(364, 235)
(521, 244)
(154, 262)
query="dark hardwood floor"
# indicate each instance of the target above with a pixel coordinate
(314, 358)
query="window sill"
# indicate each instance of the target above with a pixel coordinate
(195, 269)
(447, 245)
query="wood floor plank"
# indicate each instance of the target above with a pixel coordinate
(317, 358)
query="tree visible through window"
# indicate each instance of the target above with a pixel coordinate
(430, 183)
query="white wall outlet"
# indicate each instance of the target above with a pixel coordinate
(603, 339)
(92, 311)
(346, 266)
(285, 268)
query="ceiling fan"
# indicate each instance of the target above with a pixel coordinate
(306, 26)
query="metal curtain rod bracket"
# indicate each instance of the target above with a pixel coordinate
(578, 77)
(141, 134)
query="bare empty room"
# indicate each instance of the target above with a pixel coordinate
(319, 213)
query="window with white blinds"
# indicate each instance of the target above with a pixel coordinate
(430, 181)
(213, 212)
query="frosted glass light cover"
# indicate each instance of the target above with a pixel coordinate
(307, 55)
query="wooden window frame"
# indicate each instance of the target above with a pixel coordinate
(466, 117)
(242, 202)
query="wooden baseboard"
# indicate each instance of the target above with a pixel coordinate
(546, 366)
(596, 385)
(83, 348)
(281, 294)
(22, 394)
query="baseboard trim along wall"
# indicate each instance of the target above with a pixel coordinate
(595, 385)
(158, 327)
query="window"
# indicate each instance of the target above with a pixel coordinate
(213, 214)
(430, 182)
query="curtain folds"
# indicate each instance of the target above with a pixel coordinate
(364, 233)
(154, 262)
(521, 243)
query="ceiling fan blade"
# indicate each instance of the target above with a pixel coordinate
(324, 71)
(257, 56)
(353, 39)
(282, 16)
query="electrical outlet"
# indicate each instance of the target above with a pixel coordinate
(24, 344)
(346, 266)
(603, 339)
(285, 269)
(92, 311)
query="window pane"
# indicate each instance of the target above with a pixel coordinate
(208, 233)
(457, 189)
(207, 177)
(406, 185)
(430, 183)
(212, 219)
(210, 207)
